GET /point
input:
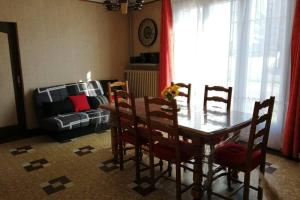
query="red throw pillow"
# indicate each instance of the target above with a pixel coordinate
(80, 102)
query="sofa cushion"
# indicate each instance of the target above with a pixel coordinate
(75, 120)
(67, 121)
(58, 107)
(80, 103)
(51, 94)
(77, 88)
(46, 95)
(95, 101)
(98, 116)
(94, 88)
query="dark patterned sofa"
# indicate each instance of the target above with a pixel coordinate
(69, 125)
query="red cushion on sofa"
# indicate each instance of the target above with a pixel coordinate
(234, 155)
(80, 102)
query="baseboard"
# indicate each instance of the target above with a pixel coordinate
(14, 135)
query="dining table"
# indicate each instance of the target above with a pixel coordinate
(201, 125)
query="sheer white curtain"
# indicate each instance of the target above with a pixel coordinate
(240, 43)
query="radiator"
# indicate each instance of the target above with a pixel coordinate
(142, 82)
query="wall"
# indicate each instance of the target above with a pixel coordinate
(152, 11)
(61, 41)
(8, 114)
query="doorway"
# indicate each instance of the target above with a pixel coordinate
(12, 112)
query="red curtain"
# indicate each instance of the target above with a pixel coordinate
(291, 144)
(166, 45)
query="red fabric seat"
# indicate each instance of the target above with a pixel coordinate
(168, 153)
(143, 132)
(120, 99)
(234, 155)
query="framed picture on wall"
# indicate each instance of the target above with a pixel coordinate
(147, 32)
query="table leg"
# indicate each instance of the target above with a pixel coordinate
(197, 190)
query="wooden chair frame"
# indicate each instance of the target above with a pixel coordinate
(216, 98)
(189, 89)
(112, 86)
(170, 126)
(252, 146)
(127, 121)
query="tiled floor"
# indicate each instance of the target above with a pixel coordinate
(40, 168)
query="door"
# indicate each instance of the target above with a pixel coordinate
(12, 115)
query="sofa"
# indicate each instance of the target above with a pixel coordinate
(59, 115)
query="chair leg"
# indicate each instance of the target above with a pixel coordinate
(124, 148)
(210, 176)
(169, 169)
(141, 155)
(260, 189)
(229, 179)
(137, 162)
(161, 165)
(246, 186)
(152, 172)
(178, 181)
(260, 193)
(235, 174)
(121, 159)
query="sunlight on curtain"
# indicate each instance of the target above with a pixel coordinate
(238, 43)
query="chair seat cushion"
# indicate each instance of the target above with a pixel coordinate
(234, 155)
(143, 133)
(168, 153)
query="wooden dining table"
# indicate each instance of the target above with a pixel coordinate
(200, 125)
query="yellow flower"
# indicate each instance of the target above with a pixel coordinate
(171, 91)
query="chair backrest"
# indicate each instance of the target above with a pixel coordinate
(207, 98)
(125, 112)
(118, 85)
(164, 121)
(260, 127)
(186, 94)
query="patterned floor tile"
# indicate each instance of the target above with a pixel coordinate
(109, 165)
(84, 150)
(142, 187)
(56, 185)
(21, 150)
(35, 165)
(270, 168)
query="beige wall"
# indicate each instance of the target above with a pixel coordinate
(8, 114)
(62, 40)
(152, 11)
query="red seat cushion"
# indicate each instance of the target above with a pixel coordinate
(80, 102)
(143, 132)
(120, 99)
(168, 153)
(234, 155)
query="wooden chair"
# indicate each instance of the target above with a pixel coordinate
(188, 87)
(118, 85)
(245, 158)
(209, 154)
(227, 101)
(128, 130)
(168, 148)
(227, 91)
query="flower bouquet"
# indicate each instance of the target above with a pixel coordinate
(170, 93)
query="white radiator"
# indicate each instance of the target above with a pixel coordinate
(142, 82)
